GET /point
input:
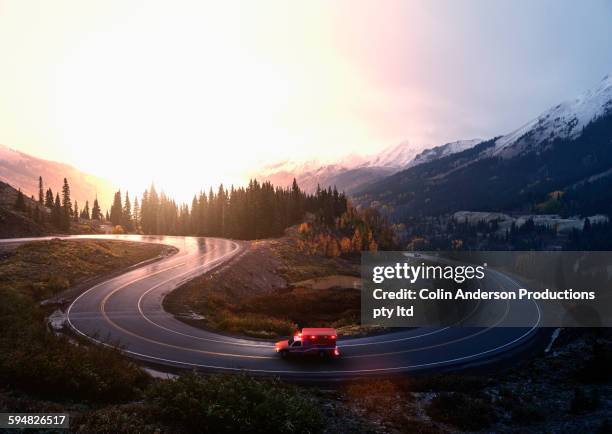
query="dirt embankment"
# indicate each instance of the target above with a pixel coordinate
(269, 290)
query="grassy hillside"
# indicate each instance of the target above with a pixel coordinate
(42, 269)
(34, 360)
(34, 220)
(14, 223)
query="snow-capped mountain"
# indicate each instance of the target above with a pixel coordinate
(565, 121)
(355, 171)
(346, 174)
(443, 151)
(566, 149)
(399, 155)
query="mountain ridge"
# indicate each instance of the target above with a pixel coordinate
(566, 148)
(354, 172)
(22, 170)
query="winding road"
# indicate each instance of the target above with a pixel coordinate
(127, 311)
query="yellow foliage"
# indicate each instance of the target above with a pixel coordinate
(345, 245)
(304, 229)
(357, 241)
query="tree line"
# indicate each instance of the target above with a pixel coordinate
(59, 211)
(329, 224)
(258, 210)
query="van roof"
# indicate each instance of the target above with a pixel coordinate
(319, 331)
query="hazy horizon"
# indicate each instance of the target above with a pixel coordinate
(198, 94)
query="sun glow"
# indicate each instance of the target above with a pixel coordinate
(192, 93)
(191, 98)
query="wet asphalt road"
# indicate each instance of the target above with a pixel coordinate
(126, 310)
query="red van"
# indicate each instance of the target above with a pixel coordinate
(319, 342)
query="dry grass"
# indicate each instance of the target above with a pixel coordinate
(42, 269)
(297, 266)
(256, 294)
(41, 363)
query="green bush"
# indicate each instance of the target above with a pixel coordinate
(463, 411)
(34, 360)
(232, 403)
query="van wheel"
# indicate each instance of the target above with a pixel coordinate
(284, 354)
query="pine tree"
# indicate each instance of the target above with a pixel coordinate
(36, 214)
(202, 215)
(150, 215)
(116, 211)
(41, 194)
(257, 211)
(96, 214)
(49, 198)
(107, 218)
(194, 223)
(57, 213)
(20, 202)
(66, 205)
(75, 212)
(296, 207)
(85, 212)
(136, 215)
(145, 219)
(126, 214)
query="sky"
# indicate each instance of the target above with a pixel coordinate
(189, 94)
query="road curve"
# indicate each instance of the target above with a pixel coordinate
(127, 311)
